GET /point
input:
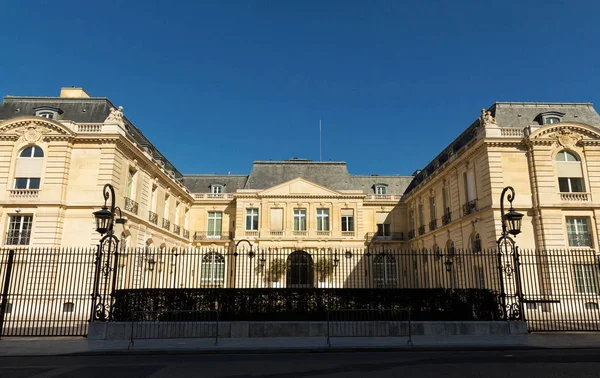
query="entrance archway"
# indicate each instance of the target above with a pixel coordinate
(300, 270)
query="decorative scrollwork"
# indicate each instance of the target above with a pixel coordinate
(509, 270)
(514, 311)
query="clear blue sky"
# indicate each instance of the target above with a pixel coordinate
(216, 85)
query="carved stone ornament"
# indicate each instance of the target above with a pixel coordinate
(486, 118)
(32, 133)
(115, 116)
(567, 138)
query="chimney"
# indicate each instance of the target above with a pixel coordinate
(73, 92)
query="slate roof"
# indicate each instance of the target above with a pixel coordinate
(395, 184)
(512, 115)
(80, 110)
(202, 183)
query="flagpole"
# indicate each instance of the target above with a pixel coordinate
(320, 143)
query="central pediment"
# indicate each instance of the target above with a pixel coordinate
(299, 187)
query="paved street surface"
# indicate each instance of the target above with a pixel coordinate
(501, 364)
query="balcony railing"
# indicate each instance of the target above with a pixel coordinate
(18, 238)
(383, 197)
(323, 233)
(580, 240)
(447, 217)
(348, 233)
(300, 233)
(186, 233)
(422, 230)
(153, 217)
(433, 225)
(89, 128)
(575, 197)
(276, 233)
(176, 229)
(166, 224)
(469, 207)
(211, 235)
(251, 233)
(213, 196)
(131, 205)
(411, 234)
(24, 193)
(386, 236)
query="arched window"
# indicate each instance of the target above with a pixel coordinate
(28, 170)
(476, 243)
(450, 248)
(212, 270)
(569, 172)
(437, 254)
(385, 271)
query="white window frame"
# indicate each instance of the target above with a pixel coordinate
(323, 219)
(212, 269)
(28, 185)
(153, 198)
(23, 231)
(552, 119)
(579, 225)
(380, 190)
(585, 278)
(252, 216)
(346, 223)
(300, 216)
(216, 189)
(131, 178)
(50, 114)
(385, 271)
(214, 216)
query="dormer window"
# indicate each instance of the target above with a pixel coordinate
(381, 189)
(50, 113)
(216, 189)
(549, 118)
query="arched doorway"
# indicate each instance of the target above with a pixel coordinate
(300, 270)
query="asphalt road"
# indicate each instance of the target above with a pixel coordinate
(488, 364)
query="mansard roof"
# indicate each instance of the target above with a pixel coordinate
(202, 183)
(80, 110)
(512, 115)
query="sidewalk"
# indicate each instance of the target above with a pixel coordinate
(82, 346)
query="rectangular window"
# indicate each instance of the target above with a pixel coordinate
(186, 219)
(571, 184)
(383, 229)
(347, 223)
(19, 229)
(299, 219)
(177, 213)
(153, 199)
(252, 219)
(215, 219)
(322, 219)
(470, 192)
(276, 219)
(411, 216)
(166, 207)
(479, 277)
(578, 232)
(216, 189)
(585, 277)
(432, 212)
(380, 190)
(421, 217)
(131, 184)
(27, 183)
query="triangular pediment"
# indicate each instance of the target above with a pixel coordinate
(299, 187)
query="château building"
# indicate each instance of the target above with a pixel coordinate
(57, 153)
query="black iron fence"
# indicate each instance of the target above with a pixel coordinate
(48, 291)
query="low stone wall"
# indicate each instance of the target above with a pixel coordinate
(123, 330)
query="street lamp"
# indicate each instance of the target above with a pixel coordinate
(105, 221)
(511, 225)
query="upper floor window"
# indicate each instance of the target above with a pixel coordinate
(476, 243)
(383, 224)
(380, 189)
(299, 219)
(215, 221)
(322, 219)
(28, 170)
(432, 212)
(216, 189)
(153, 198)
(47, 112)
(347, 220)
(569, 172)
(469, 179)
(131, 183)
(252, 219)
(550, 120)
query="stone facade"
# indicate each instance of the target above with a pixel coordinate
(56, 153)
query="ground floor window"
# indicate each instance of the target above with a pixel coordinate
(585, 278)
(213, 269)
(385, 271)
(19, 229)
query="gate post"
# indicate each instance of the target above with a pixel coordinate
(9, 265)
